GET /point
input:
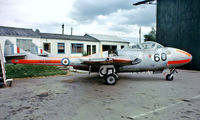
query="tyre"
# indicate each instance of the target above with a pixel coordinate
(101, 72)
(169, 77)
(111, 79)
(9, 83)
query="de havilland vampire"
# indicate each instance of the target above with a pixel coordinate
(147, 56)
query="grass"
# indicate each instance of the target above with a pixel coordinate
(23, 71)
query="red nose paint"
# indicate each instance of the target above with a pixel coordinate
(179, 61)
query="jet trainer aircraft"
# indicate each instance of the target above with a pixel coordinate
(148, 56)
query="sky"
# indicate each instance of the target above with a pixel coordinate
(110, 17)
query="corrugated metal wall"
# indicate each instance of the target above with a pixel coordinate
(178, 25)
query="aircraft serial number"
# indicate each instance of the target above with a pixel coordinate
(157, 57)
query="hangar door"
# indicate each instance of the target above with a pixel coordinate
(109, 47)
(24, 44)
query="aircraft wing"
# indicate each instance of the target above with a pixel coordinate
(111, 61)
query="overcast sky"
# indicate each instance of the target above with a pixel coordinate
(112, 17)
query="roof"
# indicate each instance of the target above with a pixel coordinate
(21, 32)
(24, 32)
(66, 37)
(106, 38)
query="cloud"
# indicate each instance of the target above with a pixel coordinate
(142, 16)
(35, 11)
(114, 17)
(87, 10)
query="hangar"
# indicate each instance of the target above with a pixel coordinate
(19, 41)
(178, 25)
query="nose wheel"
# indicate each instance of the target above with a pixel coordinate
(170, 77)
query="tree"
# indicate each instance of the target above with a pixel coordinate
(151, 36)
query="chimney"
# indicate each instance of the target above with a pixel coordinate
(63, 28)
(71, 30)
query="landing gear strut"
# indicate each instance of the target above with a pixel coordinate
(170, 77)
(109, 74)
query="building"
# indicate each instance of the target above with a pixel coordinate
(178, 25)
(109, 41)
(14, 40)
(68, 45)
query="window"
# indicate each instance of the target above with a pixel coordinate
(148, 45)
(24, 44)
(46, 47)
(94, 49)
(122, 46)
(134, 46)
(88, 49)
(77, 48)
(159, 46)
(61, 48)
(109, 47)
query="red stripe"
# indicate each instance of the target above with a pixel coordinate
(35, 61)
(179, 61)
(18, 50)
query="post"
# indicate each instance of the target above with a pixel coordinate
(71, 30)
(63, 28)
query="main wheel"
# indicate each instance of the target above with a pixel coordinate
(101, 72)
(111, 79)
(169, 77)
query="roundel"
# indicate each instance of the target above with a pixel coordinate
(65, 61)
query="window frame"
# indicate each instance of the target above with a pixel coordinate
(49, 45)
(61, 45)
(72, 52)
(19, 40)
(94, 51)
(89, 49)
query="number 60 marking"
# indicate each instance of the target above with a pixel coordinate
(157, 57)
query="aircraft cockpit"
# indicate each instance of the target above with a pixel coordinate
(151, 45)
(135, 46)
(145, 45)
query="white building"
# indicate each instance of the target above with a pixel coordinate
(15, 39)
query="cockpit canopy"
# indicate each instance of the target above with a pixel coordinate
(145, 45)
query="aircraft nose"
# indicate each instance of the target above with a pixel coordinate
(185, 55)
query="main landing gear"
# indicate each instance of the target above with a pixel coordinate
(170, 77)
(109, 74)
(111, 79)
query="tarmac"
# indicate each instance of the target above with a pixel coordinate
(85, 97)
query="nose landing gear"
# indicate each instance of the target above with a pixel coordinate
(170, 77)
